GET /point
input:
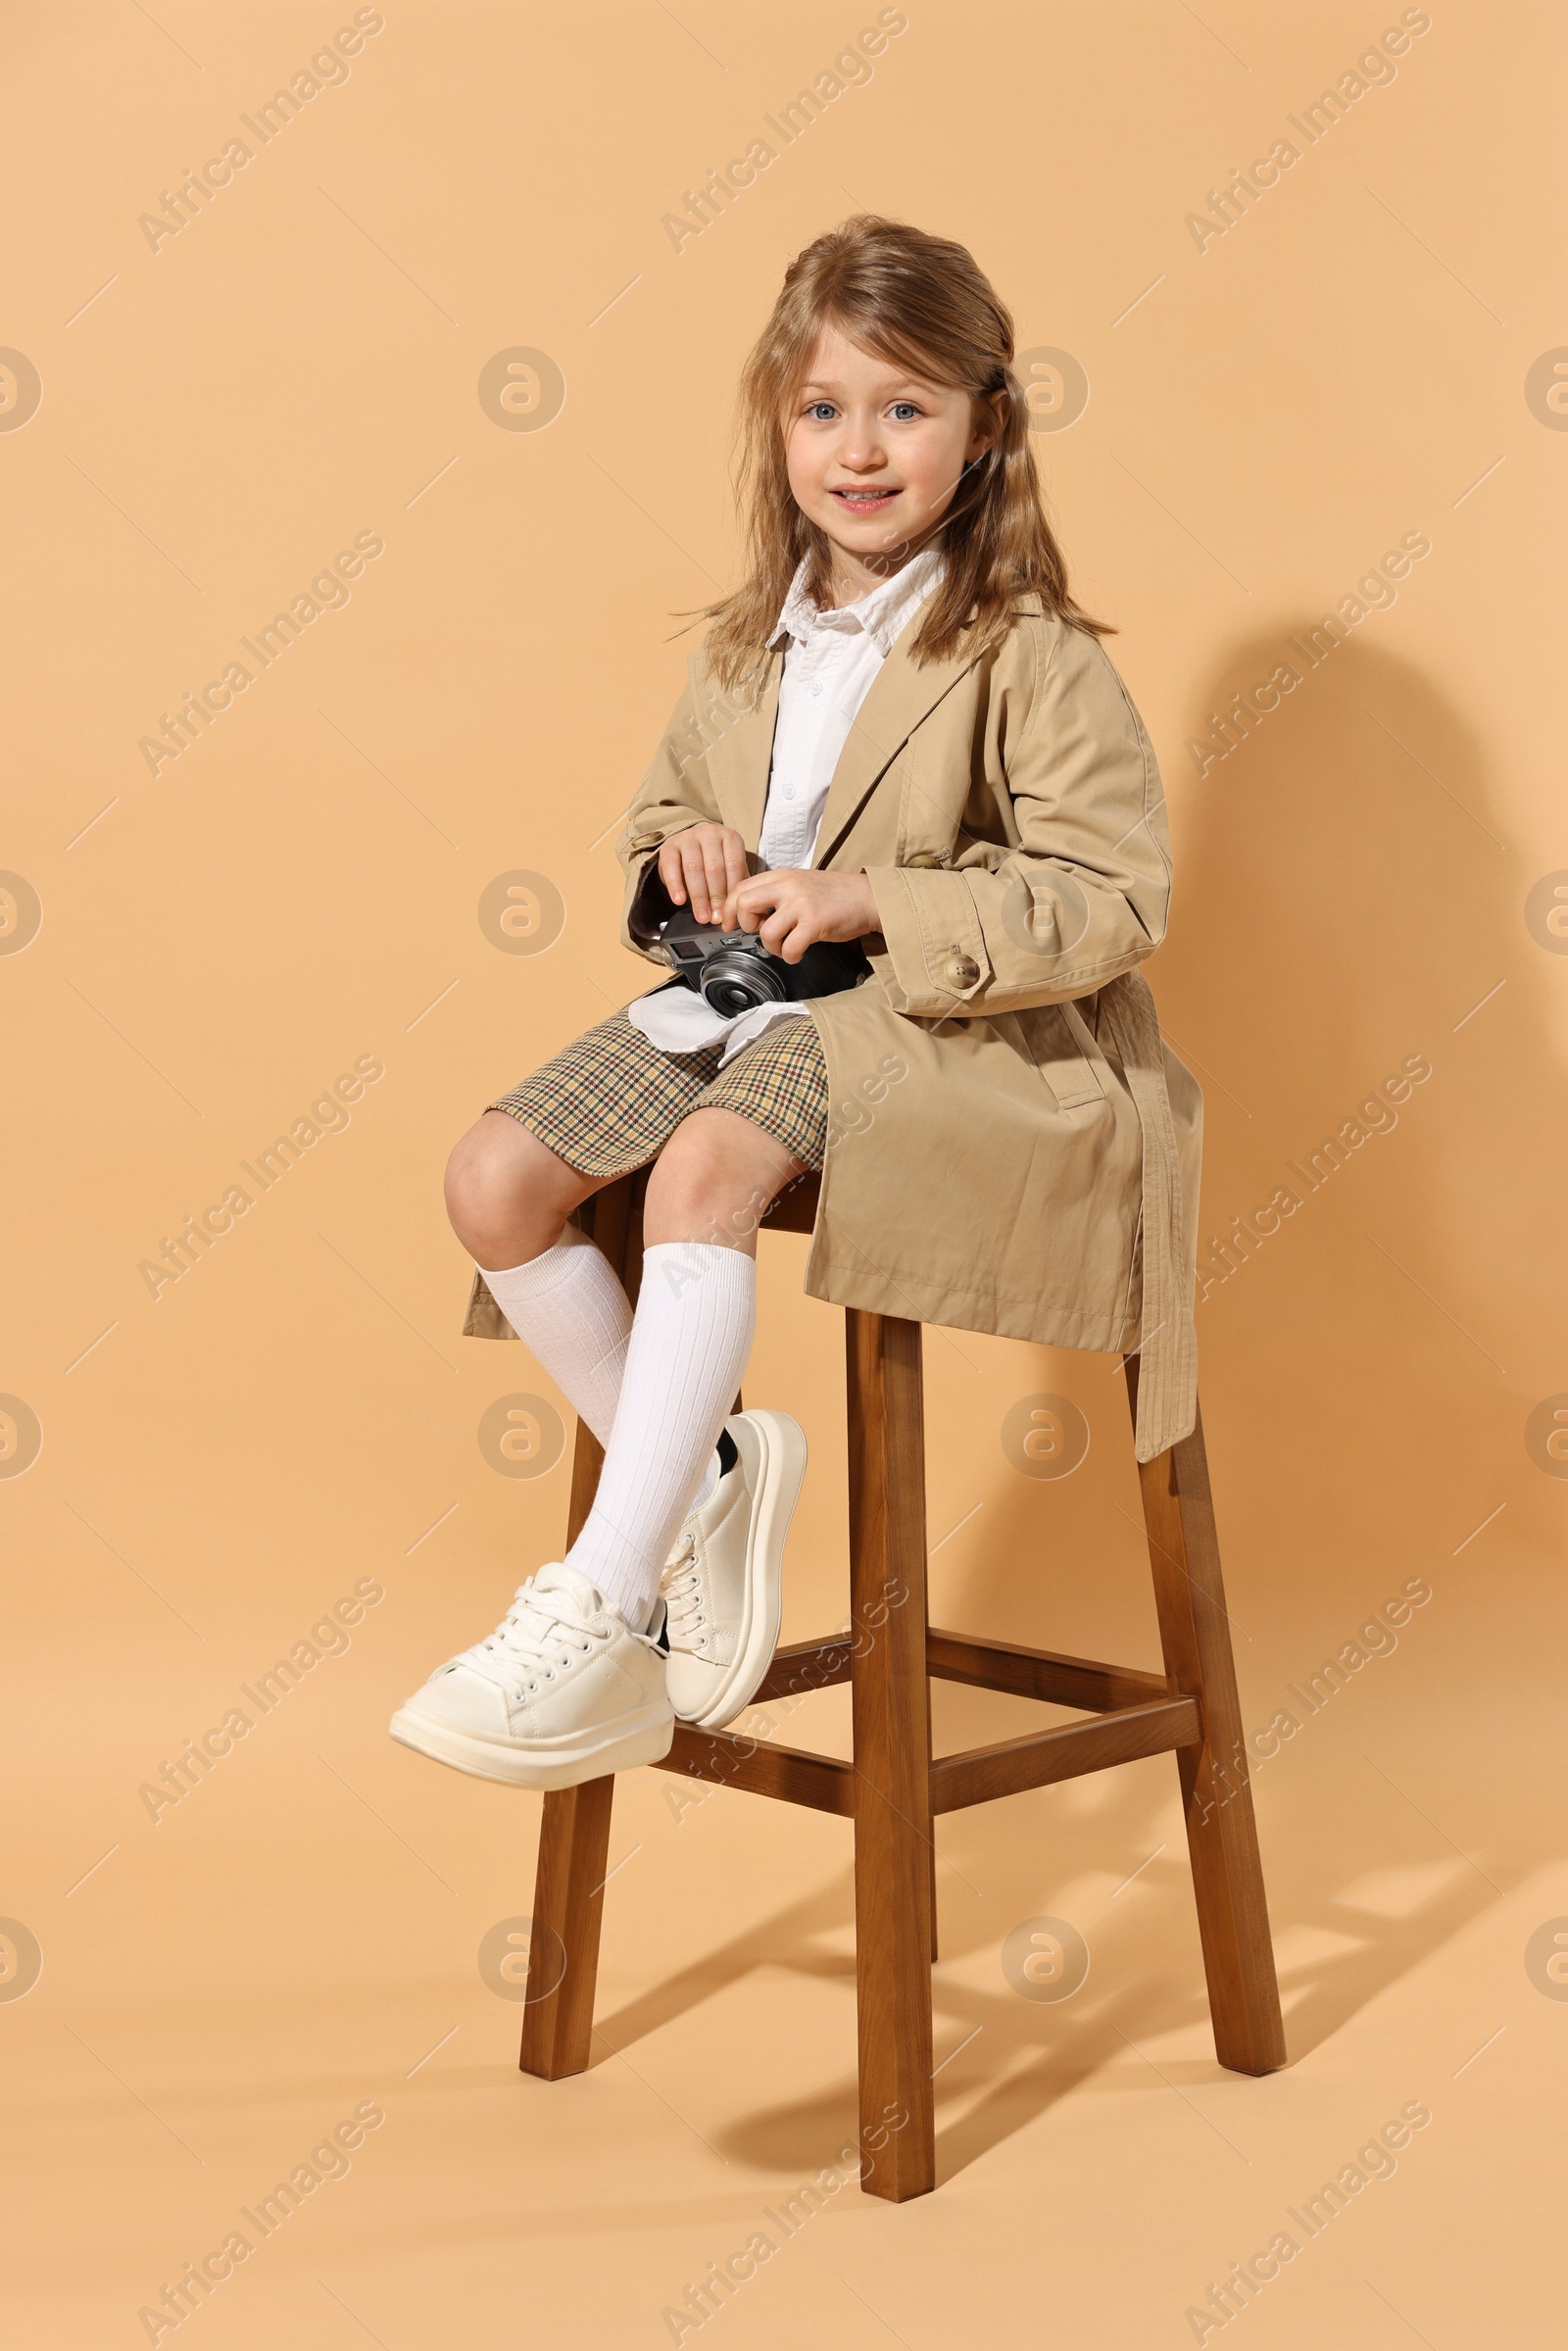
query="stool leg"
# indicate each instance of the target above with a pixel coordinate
(934, 1952)
(892, 1787)
(558, 2019)
(1216, 1792)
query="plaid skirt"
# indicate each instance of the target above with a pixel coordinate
(611, 1100)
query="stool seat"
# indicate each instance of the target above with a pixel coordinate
(895, 1785)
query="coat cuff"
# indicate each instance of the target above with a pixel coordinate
(936, 961)
(641, 858)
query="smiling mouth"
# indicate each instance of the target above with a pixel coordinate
(862, 501)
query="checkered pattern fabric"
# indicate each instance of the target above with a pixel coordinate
(611, 1100)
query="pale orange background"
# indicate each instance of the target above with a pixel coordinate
(218, 419)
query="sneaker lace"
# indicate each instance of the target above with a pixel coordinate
(682, 1586)
(539, 1632)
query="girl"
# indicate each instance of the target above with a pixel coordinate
(903, 731)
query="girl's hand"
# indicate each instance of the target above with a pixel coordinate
(790, 909)
(702, 863)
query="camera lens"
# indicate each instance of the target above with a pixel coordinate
(735, 981)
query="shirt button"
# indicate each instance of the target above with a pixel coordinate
(816, 689)
(789, 791)
(960, 970)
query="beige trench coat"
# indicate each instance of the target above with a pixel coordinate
(1012, 1148)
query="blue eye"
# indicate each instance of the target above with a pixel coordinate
(821, 409)
(904, 409)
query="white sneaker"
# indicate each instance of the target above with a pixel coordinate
(723, 1582)
(563, 1691)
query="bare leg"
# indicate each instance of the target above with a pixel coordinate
(508, 1195)
(714, 1181)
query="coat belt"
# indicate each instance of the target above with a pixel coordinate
(1167, 1346)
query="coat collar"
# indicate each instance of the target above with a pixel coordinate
(902, 695)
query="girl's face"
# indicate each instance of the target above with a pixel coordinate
(874, 453)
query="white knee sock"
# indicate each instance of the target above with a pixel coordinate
(696, 1313)
(571, 1312)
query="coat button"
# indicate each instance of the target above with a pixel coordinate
(960, 970)
(925, 858)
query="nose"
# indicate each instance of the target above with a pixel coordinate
(862, 451)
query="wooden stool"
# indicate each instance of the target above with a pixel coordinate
(895, 1785)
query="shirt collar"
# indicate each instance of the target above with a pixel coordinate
(881, 613)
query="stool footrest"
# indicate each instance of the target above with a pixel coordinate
(981, 1774)
(763, 1768)
(1047, 1674)
(806, 1665)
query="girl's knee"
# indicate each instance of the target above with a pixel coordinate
(718, 1174)
(499, 1183)
(475, 1168)
(469, 1190)
(699, 1156)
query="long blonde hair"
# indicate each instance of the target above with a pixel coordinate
(919, 302)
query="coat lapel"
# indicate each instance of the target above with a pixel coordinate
(741, 753)
(902, 695)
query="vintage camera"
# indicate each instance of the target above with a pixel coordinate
(732, 970)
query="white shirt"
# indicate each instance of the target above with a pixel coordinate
(830, 664)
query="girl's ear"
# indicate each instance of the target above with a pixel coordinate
(990, 423)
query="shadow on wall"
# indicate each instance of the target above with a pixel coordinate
(1348, 903)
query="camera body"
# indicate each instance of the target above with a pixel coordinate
(732, 970)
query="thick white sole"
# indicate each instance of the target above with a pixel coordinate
(645, 1737)
(783, 1470)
